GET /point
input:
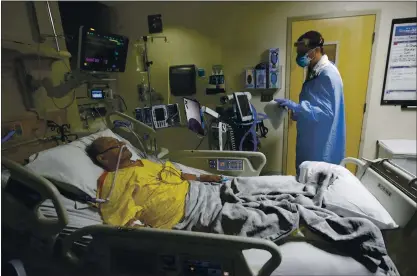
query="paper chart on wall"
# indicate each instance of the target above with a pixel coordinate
(400, 78)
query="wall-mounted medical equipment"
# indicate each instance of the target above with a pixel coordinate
(99, 90)
(144, 115)
(260, 78)
(250, 78)
(97, 94)
(217, 83)
(273, 59)
(97, 52)
(273, 68)
(201, 72)
(182, 80)
(101, 52)
(159, 116)
(266, 75)
(194, 116)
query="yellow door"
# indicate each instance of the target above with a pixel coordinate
(348, 41)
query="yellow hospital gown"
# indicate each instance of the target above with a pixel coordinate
(138, 194)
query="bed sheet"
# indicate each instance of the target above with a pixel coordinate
(299, 258)
(303, 258)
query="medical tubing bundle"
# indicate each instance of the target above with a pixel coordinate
(256, 119)
(129, 126)
(98, 200)
(145, 155)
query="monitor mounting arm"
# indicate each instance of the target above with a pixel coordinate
(76, 79)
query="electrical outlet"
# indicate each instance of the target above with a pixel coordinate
(267, 97)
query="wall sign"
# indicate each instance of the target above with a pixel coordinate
(400, 71)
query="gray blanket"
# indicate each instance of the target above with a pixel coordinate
(261, 207)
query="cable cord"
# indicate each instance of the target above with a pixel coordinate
(199, 144)
(123, 101)
(99, 114)
(251, 130)
(66, 106)
(170, 171)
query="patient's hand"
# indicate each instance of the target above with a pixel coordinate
(210, 178)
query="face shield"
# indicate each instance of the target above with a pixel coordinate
(304, 48)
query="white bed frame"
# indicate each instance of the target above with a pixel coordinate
(253, 162)
(28, 219)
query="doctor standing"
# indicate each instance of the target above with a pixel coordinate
(320, 113)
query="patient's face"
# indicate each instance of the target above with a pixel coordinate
(109, 149)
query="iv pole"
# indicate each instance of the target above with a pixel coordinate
(148, 64)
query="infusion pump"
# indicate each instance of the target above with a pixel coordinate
(159, 116)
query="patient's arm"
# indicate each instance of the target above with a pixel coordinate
(202, 177)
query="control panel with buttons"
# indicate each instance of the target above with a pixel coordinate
(226, 164)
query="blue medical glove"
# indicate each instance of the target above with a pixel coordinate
(287, 103)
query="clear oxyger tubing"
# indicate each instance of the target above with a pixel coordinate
(98, 200)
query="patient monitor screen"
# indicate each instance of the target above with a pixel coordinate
(244, 107)
(102, 52)
(160, 114)
(193, 115)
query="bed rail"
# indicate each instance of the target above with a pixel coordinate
(22, 196)
(178, 242)
(253, 162)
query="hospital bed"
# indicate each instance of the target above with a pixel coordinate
(53, 223)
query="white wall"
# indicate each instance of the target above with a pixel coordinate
(248, 28)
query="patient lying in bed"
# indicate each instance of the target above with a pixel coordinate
(153, 193)
(161, 196)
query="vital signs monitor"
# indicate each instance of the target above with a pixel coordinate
(244, 110)
(101, 52)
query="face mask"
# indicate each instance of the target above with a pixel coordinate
(303, 61)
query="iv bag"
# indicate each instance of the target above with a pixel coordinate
(140, 57)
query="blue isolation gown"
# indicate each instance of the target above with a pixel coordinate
(320, 116)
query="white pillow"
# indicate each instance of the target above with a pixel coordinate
(347, 196)
(71, 165)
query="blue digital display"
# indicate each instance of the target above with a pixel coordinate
(97, 94)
